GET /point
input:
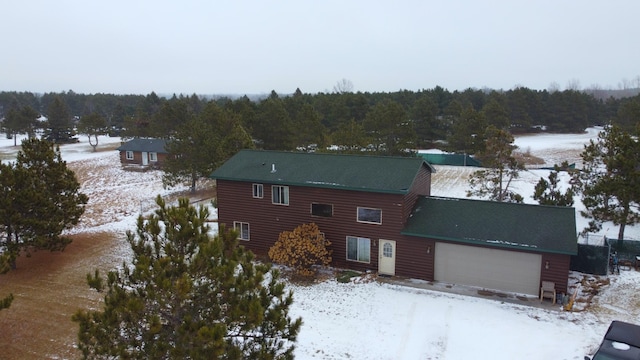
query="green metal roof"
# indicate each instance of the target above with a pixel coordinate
(550, 229)
(147, 145)
(347, 172)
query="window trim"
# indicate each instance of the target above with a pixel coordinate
(358, 257)
(284, 196)
(238, 226)
(153, 156)
(257, 194)
(364, 221)
(128, 154)
(320, 215)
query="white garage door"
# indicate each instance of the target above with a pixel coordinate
(509, 271)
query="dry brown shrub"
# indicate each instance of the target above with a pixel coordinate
(301, 249)
(526, 158)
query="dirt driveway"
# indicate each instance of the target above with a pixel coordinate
(49, 287)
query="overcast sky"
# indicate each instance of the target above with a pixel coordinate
(253, 47)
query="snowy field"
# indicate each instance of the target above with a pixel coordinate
(372, 320)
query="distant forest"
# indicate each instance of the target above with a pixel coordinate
(426, 118)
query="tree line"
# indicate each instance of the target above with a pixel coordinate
(387, 123)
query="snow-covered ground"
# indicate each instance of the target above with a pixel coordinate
(369, 319)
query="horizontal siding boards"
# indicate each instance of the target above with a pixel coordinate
(137, 158)
(421, 187)
(414, 257)
(558, 271)
(267, 221)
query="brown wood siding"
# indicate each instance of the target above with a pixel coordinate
(137, 159)
(421, 187)
(558, 271)
(414, 255)
(267, 221)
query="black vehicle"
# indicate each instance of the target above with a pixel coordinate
(621, 342)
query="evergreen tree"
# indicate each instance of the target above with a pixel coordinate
(610, 180)
(501, 169)
(549, 192)
(116, 121)
(308, 127)
(273, 125)
(468, 132)
(92, 125)
(350, 137)
(169, 117)
(20, 120)
(628, 114)
(495, 113)
(188, 296)
(29, 119)
(41, 199)
(202, 144)
(426, 123)
(59, 121)
(387, 125)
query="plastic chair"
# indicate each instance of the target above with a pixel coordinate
(548, 290)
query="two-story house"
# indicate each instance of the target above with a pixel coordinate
(379, 216)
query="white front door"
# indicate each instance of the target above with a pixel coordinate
(145, 158)
(387, 257)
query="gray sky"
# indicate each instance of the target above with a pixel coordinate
(253, 47)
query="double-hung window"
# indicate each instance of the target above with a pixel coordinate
(358, 249)
(243, 229)
(369, 215)
(280, 195)
(258, 191)
(129, 154)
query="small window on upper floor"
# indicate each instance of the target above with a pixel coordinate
(280, 195)
(324, 210)
(258, 191)
(369, 215)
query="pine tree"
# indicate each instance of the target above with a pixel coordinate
(202, 144)
(273, 125)
(41, 199)
(59, 120)
(549, 192)
(188, 296)
(610, 179)
(391, 132)
(501, 169)
(92, 125)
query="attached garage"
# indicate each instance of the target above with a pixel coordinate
(511, 271)
(494, 245)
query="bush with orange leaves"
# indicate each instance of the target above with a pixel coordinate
(301, 249)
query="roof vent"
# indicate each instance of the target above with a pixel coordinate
(273, 168)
